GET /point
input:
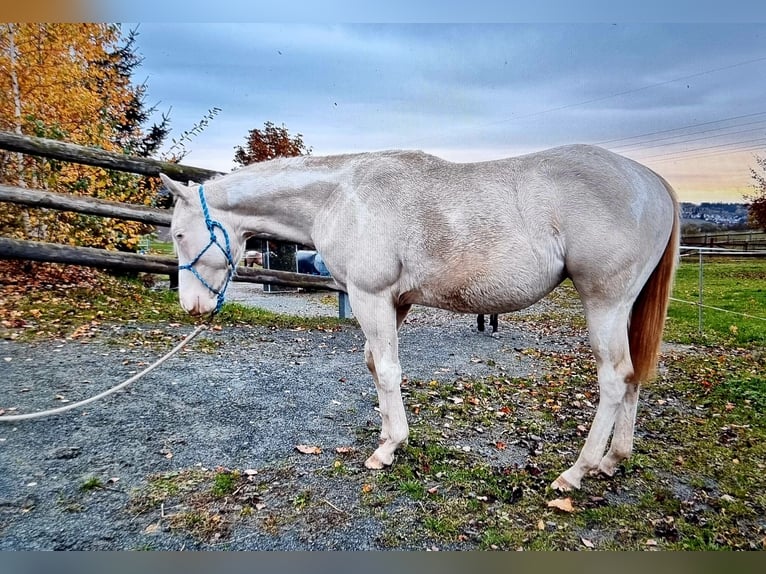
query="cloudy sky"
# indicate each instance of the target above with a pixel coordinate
(685, 99)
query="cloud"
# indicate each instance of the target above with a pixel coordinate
(465, 90)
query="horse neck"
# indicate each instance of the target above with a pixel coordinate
(281, 203)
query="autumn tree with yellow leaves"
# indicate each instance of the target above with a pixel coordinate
(73, 82)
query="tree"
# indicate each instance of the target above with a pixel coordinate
(73, 82)
(269, 143)
(757, 205)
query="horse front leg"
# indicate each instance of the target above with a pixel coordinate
(401, 313)
(379, 320)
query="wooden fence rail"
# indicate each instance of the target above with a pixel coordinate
(90, 257)
(87, 205)
(101, 158)
(163, 265)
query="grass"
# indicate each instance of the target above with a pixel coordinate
(80, 310)
(737, 285)
(695, 482)
(476, 471)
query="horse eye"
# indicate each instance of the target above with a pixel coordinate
(178, 236)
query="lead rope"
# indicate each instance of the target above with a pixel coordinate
(150, 368)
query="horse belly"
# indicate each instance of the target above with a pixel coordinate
(501, 290)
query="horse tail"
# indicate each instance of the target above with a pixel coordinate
(647, 319)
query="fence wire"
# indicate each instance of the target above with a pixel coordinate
(714, 251)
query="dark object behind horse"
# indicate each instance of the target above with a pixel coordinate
(492, 322)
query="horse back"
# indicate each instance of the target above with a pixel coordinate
(490, 236)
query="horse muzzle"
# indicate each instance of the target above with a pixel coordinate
(196, 304)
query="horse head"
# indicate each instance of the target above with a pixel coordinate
(207, 251)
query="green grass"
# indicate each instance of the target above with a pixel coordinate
(156, 247)
(696, 480)
(72, 311)
(737, 285)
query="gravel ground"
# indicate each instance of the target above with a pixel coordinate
(239, 398)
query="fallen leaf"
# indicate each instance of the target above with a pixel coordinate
(587, 543)
(152, 528)
(344, 449)
(366, 488)
(541, 524)
(564, 504)
(651, 542)
(308, 449)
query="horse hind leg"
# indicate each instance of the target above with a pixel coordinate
(617, 397)
(622, 440)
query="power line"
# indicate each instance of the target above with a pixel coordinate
(634, 90)
(681, 154)
(693, 156)
(614, 95)
(681, 128)
(641, 144)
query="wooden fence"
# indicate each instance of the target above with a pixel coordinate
(90, 257)
(734, 240)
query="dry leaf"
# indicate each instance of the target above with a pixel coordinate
(366, 488)
(541, 524)
(308, 449)
(152, 528)
(587, 543)
(344, 449)
(564, 504)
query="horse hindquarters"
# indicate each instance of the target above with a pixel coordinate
(626, 344)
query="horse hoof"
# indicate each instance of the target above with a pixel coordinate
(376, 462)
(563, 485)
(606, 469)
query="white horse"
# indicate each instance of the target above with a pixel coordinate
(399, 228)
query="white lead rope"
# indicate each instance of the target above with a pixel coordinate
(157, 363)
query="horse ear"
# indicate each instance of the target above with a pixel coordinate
(177, 189)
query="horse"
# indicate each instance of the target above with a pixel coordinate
(492, 322)
(606, 222)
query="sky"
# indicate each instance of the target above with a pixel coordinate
(686, 99)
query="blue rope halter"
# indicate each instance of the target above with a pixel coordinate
(211, 227)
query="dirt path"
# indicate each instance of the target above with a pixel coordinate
(240, 398)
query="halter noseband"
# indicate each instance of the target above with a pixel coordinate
(211, 226)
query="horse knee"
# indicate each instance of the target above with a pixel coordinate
(369, 359)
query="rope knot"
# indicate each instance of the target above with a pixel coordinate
(212, 225)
